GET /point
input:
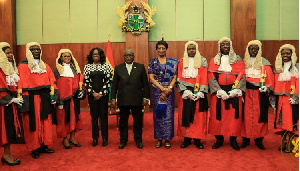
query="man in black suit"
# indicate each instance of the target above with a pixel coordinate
(131, 85)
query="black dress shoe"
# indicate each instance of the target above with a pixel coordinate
(104, 142)
(199, 145)
(260, 146)
(217, 145)
(76, 145)
(45, 149)
(66, 147)
(95, 142)
(185, 144)
(245, 144)
(139, 145)
(235, 145)
(122, 145)
(35, 154)
(4, 161)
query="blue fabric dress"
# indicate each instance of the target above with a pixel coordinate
(163, 125)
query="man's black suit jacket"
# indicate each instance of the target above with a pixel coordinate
(130, 89)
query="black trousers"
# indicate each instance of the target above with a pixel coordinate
(99, 108)
(137, 115)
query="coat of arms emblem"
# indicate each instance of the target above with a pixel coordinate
(136, 19)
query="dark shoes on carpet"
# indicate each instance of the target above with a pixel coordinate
(245, 143)
(260, 146)
(43, 149)
(235, 145)
(185, 144)
(16, 162)
(95, 142)
(199, 145)
(35, 154)
(104, 142)
(122, 145)
(217, 145)
(139, 145)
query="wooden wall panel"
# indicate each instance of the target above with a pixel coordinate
(243, 24)
(8, 23)
(270, 48)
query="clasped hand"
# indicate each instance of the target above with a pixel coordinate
(18, 101)
(188, 94)
(97, 96)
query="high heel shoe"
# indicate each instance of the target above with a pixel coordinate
(76, 145)
(66, 147)
(8, 163)
(167, 144)
(158, 144)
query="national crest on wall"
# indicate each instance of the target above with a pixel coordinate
(136, 19)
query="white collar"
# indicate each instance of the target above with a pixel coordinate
(128, 64)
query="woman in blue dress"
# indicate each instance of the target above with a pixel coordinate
(162, 73)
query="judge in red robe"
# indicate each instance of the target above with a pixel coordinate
(38, 90)
(9, 122)
(286, 91)
(67, 74)
(193, 87)
(259, 85)
(224, 70)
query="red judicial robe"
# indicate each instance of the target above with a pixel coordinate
(198, 128)
(10, 126)
(252, 126)
(67, 87)
(230, 122)
(284, 110)
(41, 132)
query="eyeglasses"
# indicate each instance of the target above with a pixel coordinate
(34, 49)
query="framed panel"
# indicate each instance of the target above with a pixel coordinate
(164, 19)
(29, 21)
(83, 21)
(56, 21)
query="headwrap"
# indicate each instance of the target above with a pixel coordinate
(60, 68)
(258, 59)
(197, 58)
(278, 61)
(4, 63)
(232, 54)
(30, 58)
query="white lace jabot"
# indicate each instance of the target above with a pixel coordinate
(37, 68)
(190, 72)
(12, 79)
(225, 66)
(286, 74)
(67, 71)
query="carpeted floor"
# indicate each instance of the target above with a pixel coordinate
(151, 158)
